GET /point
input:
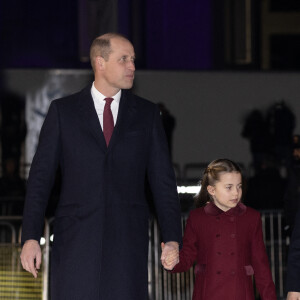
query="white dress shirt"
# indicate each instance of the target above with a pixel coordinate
(99, 103)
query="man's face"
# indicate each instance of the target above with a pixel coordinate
(118, 71)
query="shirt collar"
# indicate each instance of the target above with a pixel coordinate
(212, 209)
(100, 97)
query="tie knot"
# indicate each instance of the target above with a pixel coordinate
(109, 100)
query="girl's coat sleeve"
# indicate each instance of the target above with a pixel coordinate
(188, 253)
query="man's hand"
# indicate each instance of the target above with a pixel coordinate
(293, 296)
(170, 255)
(31, 257)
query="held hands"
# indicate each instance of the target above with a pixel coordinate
(170, 255)
(293, 296)
(31, 257)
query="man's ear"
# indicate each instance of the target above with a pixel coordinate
(211, 190)
(100, 62)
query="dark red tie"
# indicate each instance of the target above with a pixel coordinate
(108, 120)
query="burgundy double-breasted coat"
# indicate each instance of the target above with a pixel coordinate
(228, 249)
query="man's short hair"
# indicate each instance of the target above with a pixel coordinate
(101, 46)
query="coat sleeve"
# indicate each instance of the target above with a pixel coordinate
(293, 266)
(41, 176)
(260, 263)
(188, 253)
(162, 181)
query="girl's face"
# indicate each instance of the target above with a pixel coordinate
(227, 192)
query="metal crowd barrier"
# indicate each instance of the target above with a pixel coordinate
(15, 283)
(277, 240)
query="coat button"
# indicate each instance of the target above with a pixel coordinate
(232, 273)
(218, 235)
(232, 253)
(219, 253)
(233, 235)
(218, 218)
(232, 219)
(218, 272)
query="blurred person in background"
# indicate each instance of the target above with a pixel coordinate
(292, 192)
(256, 131)
(169, 124)
(13, 127)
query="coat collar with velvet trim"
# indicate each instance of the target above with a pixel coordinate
(212, 209)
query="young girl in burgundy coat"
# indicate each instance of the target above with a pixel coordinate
(224, 238)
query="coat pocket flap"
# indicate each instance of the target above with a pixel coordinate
(249, 270)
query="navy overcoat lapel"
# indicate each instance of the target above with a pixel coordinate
(127, 109)
(89, 116)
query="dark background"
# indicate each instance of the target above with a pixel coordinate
(167, 34)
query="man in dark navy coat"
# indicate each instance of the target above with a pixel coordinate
(100, 245)
(293, 267)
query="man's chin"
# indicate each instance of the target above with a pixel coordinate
(127, 86)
